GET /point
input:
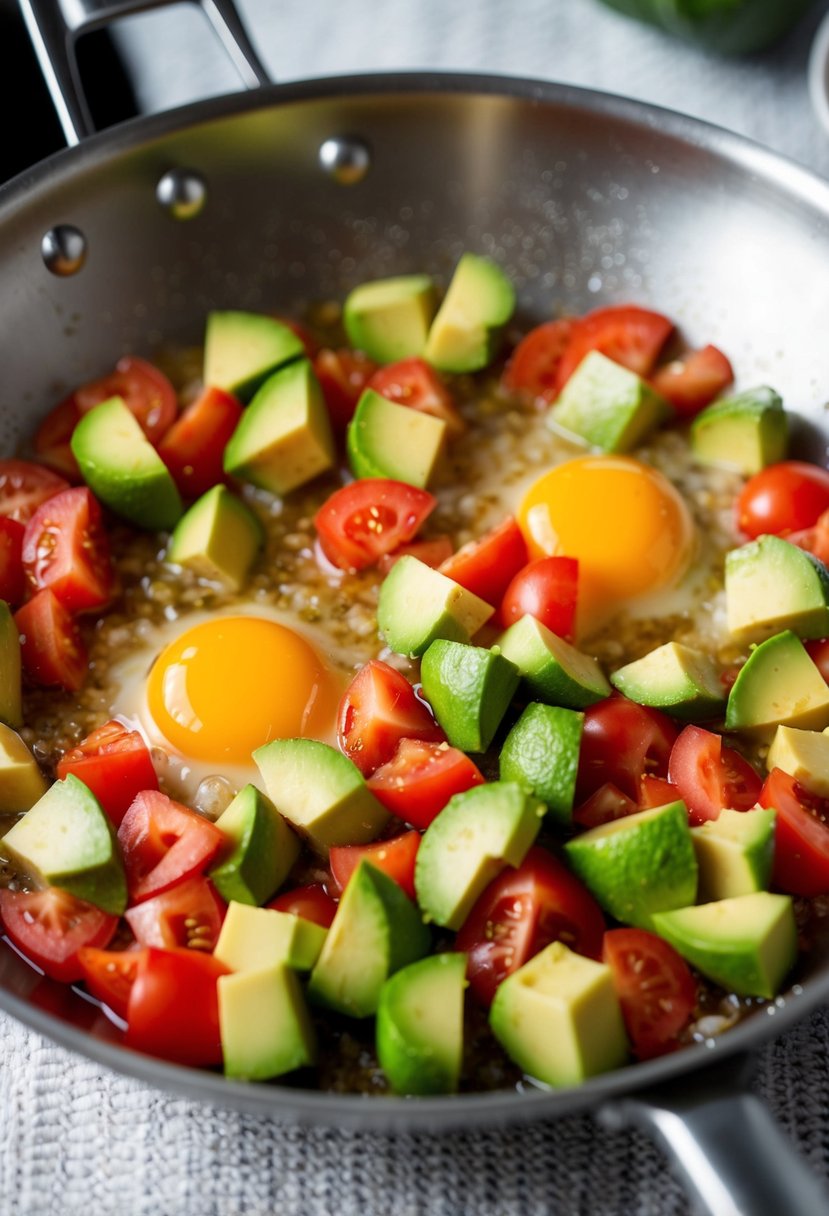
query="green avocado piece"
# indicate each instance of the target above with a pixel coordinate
(466, 333)
(284, 436)
(552, 669)
(376, 931)
(389, 319)
(259, 852)
(734, 853)
(559, 1019)
(469, 689)
(747, 944)
(123, 469)
(418, 604)
(385, 439)
(778, 685)
(607, 406)
(11, 695)
(638, 865)
(804, 755)
(66, 840)
(420, 1025)
(21, 781)
(746, 431)
(218, 538)
(772, 585)
(320, 792)
(265, 1027)
(541, 752)
(476, 835)
(241, 349)
(677, 679)
(253, 938)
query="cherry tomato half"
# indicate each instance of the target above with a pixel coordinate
(420, 778)
(188, 915)
(621, 742)
(603, 806)
(626, 334)
(378, 709)
(145, 390)
(173, 1006)
(532, 369)
(65, 548)
(785, 497)
(24, 486)
(487, 566)
(801, 835)
(815, 539)
(50, 926)
(163, 843)
(693, 381)
(546, 589)
(710, 777)
(193, 448)
(655, 987)
(395, 857)
(343, 375)
(109, 975)
(114, 763)
(51, 646)
(368, 518)
(311, 902)
(431, 552)
(413, 383)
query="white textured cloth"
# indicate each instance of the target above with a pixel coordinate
(76, 1139)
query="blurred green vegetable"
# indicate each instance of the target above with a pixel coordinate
(733, 27)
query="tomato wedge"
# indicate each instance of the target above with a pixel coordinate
(801, 835)
(786, 497)
(603, 806)
(814, 539)
(394, 857)
(12, 574)
(163, 843)
(115, 763)
(145, 390)
(413, 383)
(655, 987)
(546, 589)
(420, 778)
(173, 1007)
(431, 552)
(710, 777)
(109, 975)
(52, 437)
(65, 548)
(520, 913)
(50, 926)
(378, 709)
(487, 566)
(193, 447)
(693, 381)
(656, 791)
(626, 334)
(368, 518)
(51, 646)
(311, 902)
(621, 742)
(343, 374)
(532, 369)
(188, 915)
(818, 652)
(24, 486)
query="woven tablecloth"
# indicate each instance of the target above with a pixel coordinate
(76, 1139)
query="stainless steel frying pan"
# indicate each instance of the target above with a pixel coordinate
(284, 195)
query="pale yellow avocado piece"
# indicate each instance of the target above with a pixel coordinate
(386, 439)
(418, 604)
(778, 685)
(21, 781)
(265, 1027)
(772, 585)
(734, 853)
(218, 538)
(467, 329)
(389, 319)
(804, 755)
(253, 938)
(558, 1018)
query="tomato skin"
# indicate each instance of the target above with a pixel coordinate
(546, 589)
(655, 987)
(395, 857)
(343, 375)
(24, 486)
(368, 518)
(193, 447)
(656, 791)
(188, 915)
(622, 741)
(711, 777)
(51, 441)
(378, 709)
(603, 806)
(163, 843)
(51, 647)
(114, 763)
(785, 497)
(693, 381)
(520, 913)
(801, 836)
(145, 390)
(311, 902)
(487, 566)
(626, 334)
(12, 574)
(65, 548)
(818, 652)
(413, 383)
(815, 540)
(532, 369)
(173, 1007)
(432, 552)
(109, 975)
(420, 778)
(50, 926)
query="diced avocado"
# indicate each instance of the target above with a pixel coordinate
(747, 944)
(608, 406)
(259, 852)
(558, 1018)
(638, 865)
(418, 604)
(420, 1025)
(469, 689)
(389, 319)
(11, 700)
(778, 685)
(541, 752)
(264, 1023)
(320, 792)
(804, 755)
(746, 431)
(734, 853)
(65, 840)
(254, 938)
(218, 538)
(553, 670)
(376, 931)
(466, 332)
(675, 678)
(386, 439)
(121, 467)
(284, 436)
(772, 585)
(241, 349)
(470, 842)
(21, 781)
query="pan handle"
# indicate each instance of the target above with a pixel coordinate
(56, 25)
(726, 1148)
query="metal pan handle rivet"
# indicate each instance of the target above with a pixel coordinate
(182, 193)
(346, 158)
(64, 250)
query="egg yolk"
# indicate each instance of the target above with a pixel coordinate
(625, 523)
(227, 686)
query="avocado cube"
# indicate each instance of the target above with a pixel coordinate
(385, 439)
(552, 669)
(607, 406)
(734, 853)
(772, 585)
(559, 1019)
(241, 349)
(253, 938)
(420, 1025)
(218, 538)
(418, 604)
(259, 852)
(541, 752)
(11, 697)
(466, 333)
(21, 781)
(676, 679)
(469, 690)
(779, 685)
(264, 1024)
(804, 755)
(746, 431)
(639, 865)
(389, 319)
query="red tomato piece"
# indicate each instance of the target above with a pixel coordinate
(311, 902)
(420, 778)
(302, 332)
(50, 926)
(115, 763)
(343, 375)
(546, 589)
(24, 486)
(801, 835)
(487, 566)
(533, 366)
(621, 742)
(785, 497)
(710, 777)
(626, 334)
(378, 709)
(655, 987)
(431, 552)
(656, 791)
(193, 447)
(51, 646)
(818, 652)
(52, 437)
(12, 574)
(109, 975)
(368, 518)
(145, 390)
(815, 539)
(173, 1007)
(693, 381)
(163, 843)
(65, 548)
(188, 915)
(520, 913)
(413, 383)
(603, 806)
(394, 857)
